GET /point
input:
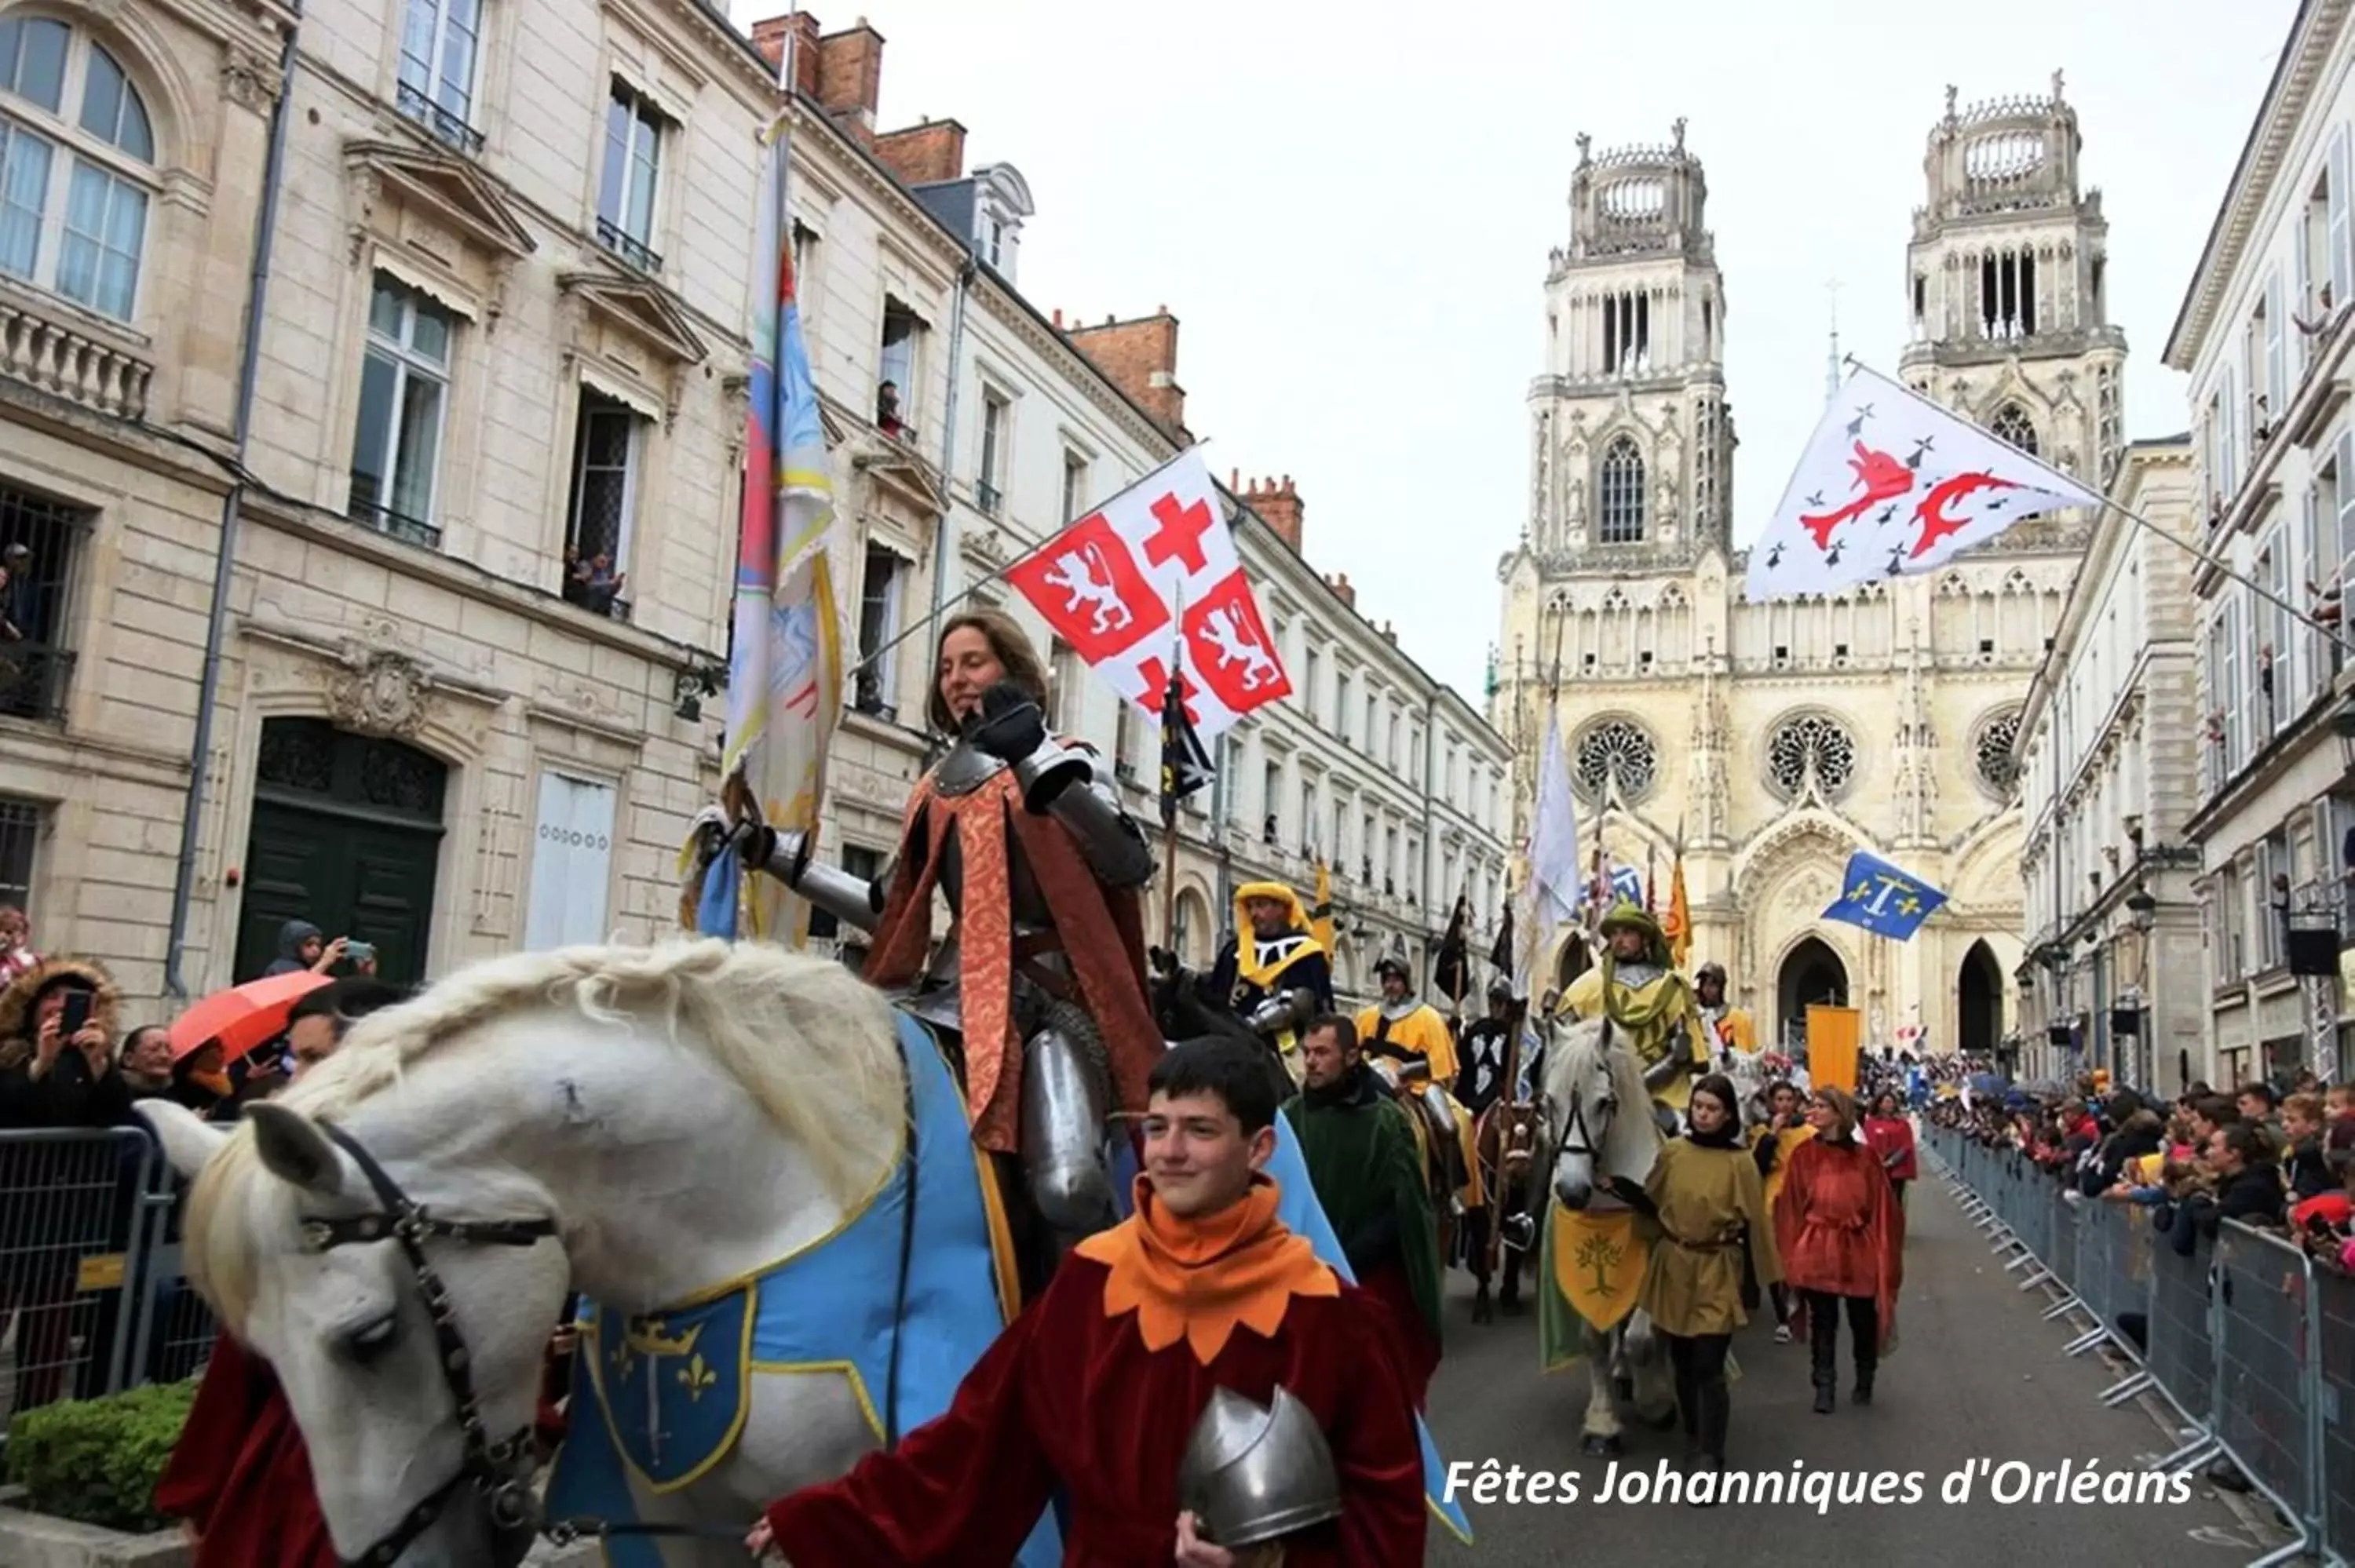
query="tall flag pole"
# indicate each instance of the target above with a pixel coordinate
(784, 673)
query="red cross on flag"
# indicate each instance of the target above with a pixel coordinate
(1151, 574)
(1893, 485)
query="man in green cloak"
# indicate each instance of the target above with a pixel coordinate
(1361, 1158)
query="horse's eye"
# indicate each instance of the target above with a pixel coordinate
(372, 1339)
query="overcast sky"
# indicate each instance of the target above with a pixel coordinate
(1349, 211)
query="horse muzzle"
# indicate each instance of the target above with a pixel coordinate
(1574, 1192)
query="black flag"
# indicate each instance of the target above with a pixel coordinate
(1451, 966)
(1185, 765)
(1500, 957)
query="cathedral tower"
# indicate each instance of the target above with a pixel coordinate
(1633, 447)
(2008, 296)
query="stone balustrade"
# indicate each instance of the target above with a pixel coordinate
(39, 350)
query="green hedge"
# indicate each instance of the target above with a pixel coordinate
(98, 1460)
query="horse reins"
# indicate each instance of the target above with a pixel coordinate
(502, 1470)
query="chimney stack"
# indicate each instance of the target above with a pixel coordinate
(923, 154)
(1278, 505)
(850, 78)
(1339, 583)
(1140, 357)
(769, 37)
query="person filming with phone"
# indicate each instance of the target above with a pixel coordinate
(58, 1031)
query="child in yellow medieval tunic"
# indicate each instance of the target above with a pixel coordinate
(1771, 1144)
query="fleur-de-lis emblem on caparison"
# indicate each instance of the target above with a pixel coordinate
(696, 1377)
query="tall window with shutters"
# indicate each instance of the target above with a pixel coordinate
(2341, 271)
(2277, 689)
(2276, 362)
(572, 862)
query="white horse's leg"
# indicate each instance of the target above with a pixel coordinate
(1648, 1366)
(1602, 1403)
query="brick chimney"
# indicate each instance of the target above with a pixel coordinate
(769, 37)
(923, 154)
(850, 78)
(1339, 583)
(1278, 505)
(1140, 357)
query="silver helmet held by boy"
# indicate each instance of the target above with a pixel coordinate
(1253, 1472)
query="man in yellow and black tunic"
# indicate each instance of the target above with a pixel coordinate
(1272, 972)
(1637, 987)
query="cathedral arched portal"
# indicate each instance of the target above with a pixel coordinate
(1812, 975)
(1978, 994)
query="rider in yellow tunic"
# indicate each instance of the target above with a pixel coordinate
(1413, 1034)
(1637, 987)
(1272, 972)
(1730, 1028)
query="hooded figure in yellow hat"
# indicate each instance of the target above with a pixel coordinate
(1273, 970)
(1637, 987)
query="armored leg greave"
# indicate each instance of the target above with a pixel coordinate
(1066, 1101)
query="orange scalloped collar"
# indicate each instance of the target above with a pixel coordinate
(1195, 1279)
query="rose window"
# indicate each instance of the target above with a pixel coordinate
(1619, 752)
(1811, 742)
(1998, 764)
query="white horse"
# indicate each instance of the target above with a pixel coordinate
(1604, 1131)
(640, 1125)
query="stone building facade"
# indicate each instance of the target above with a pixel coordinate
(2264, 333)
(504, 255)
(1775, 738)
(1009, 422)
(2109, 775)
(480, 475)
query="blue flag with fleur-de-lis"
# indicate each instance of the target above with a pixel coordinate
(1882, 899)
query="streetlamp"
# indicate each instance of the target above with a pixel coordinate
(2142, 911)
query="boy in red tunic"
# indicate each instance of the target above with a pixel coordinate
(1097, 1386)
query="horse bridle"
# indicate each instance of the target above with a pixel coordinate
(1578, 1114)
(501, 1471)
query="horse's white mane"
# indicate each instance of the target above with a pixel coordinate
(1632, 1145)
(811, 1044)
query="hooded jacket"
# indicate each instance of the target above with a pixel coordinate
(291, 938)
(69, 1094)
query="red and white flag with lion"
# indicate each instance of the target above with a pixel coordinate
(1893, 485)
(1152, 574)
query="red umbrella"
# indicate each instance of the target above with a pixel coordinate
(243, 1016)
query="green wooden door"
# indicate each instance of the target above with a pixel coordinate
(347, 834)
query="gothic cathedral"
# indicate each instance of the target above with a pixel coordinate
(1778, 737)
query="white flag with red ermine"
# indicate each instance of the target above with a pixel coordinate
(1893, 485)
(1152, 574)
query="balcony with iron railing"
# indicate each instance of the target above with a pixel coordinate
(444, 126)
(34, 680)
(631, 250)
(386, 521)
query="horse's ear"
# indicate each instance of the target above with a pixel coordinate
(189, 1141)
(294, 1150)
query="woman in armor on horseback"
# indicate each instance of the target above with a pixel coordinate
(1041, 976)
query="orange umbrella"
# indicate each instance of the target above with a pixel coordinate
(243, 1016)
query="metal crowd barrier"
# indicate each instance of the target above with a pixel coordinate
(91, 1297)
(2250, 1341)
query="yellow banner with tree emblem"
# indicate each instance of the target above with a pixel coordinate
(1598, 1263)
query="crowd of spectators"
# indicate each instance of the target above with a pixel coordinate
(2284, 1163)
